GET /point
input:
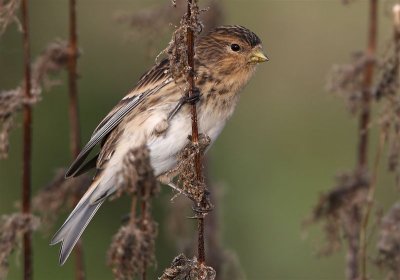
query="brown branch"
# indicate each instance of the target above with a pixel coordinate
(74, 119)
(27, 143)
(353, 269)
(72, 81)
(143, 221)
(366, 94)
(195, 131)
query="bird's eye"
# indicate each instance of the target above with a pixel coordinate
(235, 47)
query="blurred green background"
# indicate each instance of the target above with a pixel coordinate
(282, 148)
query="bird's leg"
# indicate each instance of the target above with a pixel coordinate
(192, 99)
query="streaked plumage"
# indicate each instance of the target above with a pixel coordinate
(141, 117)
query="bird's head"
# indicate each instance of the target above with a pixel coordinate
(230, 50)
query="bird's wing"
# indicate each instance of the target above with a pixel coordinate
(150, 83)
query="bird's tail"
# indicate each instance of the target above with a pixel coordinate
(77, 221)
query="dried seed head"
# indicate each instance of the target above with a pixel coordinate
(148, 24)
(188, 269)
(195, 189)
(137, 176)
(51, 61)
(10, 102)
(346, 81)
(12, 228)
(177, 49)
(8, 14)
(340, 210)
(389, 242)
(132, 249)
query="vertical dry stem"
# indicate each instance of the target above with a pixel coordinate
(362, 163)
(144, 207)
(27, 143)
(366, 94)
(370, 198)
(72, 81)
(195, 131)
(74, 119)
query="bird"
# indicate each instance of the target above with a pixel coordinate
(154, 114)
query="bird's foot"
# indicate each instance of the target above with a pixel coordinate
(192, 99)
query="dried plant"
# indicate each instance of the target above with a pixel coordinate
(183, 268)
(148, 24)
(8, 11)
(340, 210)
(52, 60)
(73, 115)
(346, 81)
(387, 93)
(26, 187)
(12, 228)
(389, 243)
(137, 177)
(178, 48)
(58, 196)
(181, 58)
(345, 209)
(132, 248)
(189, 182)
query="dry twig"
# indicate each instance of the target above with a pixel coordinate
(8, 11)
(12, 229)
(389, 243)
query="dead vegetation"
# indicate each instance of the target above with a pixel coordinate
(52, 60)
(12, 229)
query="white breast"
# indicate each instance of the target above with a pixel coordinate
(165, 148)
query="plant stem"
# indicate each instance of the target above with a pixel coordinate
(195, 131)
(143, 222)
(370, 198)
(363, 133)
(366, 94)
(74, 119)
(72, 82)
(27, 142)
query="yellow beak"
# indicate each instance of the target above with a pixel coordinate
(257, 57)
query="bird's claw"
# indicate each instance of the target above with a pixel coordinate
(192, 100)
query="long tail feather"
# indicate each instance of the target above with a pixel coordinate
(75, 224)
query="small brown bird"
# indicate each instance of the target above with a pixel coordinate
(151, 114)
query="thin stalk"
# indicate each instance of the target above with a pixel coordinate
(72, 82)
(367, 83)
(353, 269)
(370, 199)
(27, 142)
(195, 130)
(143, 221)
(74, 119)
